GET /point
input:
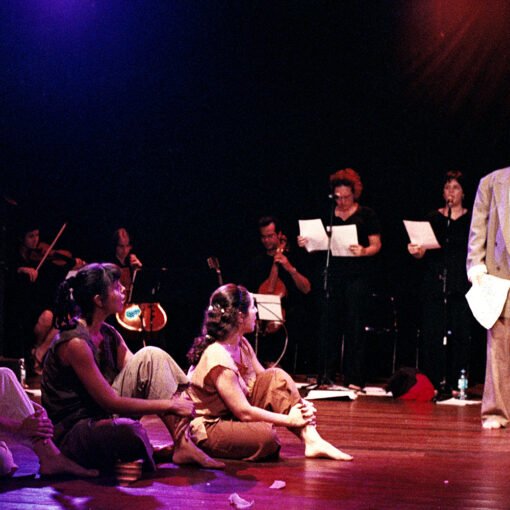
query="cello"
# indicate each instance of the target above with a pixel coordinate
(139, 316)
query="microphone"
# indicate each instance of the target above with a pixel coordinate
(449, 206)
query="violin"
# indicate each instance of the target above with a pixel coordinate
(274, 285)
(57, 257)
(45, 252)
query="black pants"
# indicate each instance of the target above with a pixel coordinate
(342, 315)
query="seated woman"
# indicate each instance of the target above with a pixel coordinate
(237, 401)
(93, 386)
(25, 422)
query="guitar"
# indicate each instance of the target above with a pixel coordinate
(214, 263)
(274, 285)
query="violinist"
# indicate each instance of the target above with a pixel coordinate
(278, 269)
(35, 272)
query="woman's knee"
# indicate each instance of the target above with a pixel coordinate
(7, 378)
(151, 353)
(274, 373)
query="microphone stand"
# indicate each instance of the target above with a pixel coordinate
(323, 377)
(444, 391)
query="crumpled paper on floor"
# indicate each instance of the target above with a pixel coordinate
(238, 502)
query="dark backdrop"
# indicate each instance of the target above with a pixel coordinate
(184, 121)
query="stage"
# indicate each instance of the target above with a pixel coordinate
(406, 455)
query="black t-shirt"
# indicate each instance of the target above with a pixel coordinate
(452, 253)
(367, 224)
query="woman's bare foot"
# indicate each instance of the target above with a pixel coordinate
(187, 452)
(491, 423)
(322, 449)
(59, 464)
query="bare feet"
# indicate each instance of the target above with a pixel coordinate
(59, 464)
(187, 452)
(322, 449)
(491, 423)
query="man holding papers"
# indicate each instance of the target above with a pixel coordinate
(489, 253)
(355, 240)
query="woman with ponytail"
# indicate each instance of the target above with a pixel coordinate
(238, 403)
(94, 388)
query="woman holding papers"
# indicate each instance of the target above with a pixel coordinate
(349, 277)
(238, 403)
(445, 284)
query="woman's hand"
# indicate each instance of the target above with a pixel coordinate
(36, 426)
(357, 250)
(416, 250)
(299, 416)
(134, 261)
(78, 263)
(30, 272)
(309, 411)
(302, 241)
(181, 405)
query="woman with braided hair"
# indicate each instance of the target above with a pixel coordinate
(94, 387)
(238, 403)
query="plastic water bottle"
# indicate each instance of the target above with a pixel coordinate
(463, 385)
(23, 373)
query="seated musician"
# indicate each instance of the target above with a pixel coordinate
(140, 322)
(35, 272)
(278, 269)
(124, 257)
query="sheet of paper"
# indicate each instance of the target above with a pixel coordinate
(269, 307)
(458, 403)
(487, 299)
(420, 232)
(314, 231)
(331, 395)
(343, 237)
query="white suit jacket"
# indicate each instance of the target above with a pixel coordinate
(489, 235)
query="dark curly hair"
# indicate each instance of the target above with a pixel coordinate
(75, 295)
(220, 318)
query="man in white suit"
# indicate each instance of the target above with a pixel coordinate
(489, 253)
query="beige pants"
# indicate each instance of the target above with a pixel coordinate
(274, 390)
(14, 404)
(496, 392)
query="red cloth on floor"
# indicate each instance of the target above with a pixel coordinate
(422, 391)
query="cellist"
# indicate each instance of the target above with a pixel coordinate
(139, 320)
(279, 270)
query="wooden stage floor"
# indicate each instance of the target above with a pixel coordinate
(406, 455)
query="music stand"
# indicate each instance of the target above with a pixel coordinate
(269, 307)
(145, 288)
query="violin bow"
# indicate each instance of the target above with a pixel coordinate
(48, 251)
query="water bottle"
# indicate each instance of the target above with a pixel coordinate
(463, 385)
(23, 373)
